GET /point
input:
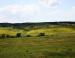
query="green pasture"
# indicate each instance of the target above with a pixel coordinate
(58, 43)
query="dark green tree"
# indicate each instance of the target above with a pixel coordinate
(18, 35)
(42, 34)
(3, 36)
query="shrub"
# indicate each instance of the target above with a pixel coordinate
(28, 36)
(41, 34)
(3, 35)
(8, 36)
(18, 35)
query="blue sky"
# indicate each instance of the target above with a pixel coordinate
(18, 11)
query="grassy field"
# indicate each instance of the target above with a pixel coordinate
(58, 43)
(35, 32)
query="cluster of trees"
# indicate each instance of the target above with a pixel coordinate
(18, 35)
(10, 36)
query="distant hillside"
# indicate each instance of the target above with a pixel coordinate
(33, 29)
(21, 25)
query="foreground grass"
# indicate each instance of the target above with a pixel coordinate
(57, 46)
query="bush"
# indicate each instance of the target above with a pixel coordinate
(41, 34)
(8, 36)
(28, 36)
(18, 35)
(3, 35)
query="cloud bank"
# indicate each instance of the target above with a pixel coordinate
(20, 9)
(41, 11)
(50, 3)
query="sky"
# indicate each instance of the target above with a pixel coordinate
(19, 11)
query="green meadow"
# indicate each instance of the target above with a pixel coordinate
(57, 42)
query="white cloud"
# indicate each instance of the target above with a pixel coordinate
(50, 3)
(17, 13)
(20, 9)
(31, 13)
